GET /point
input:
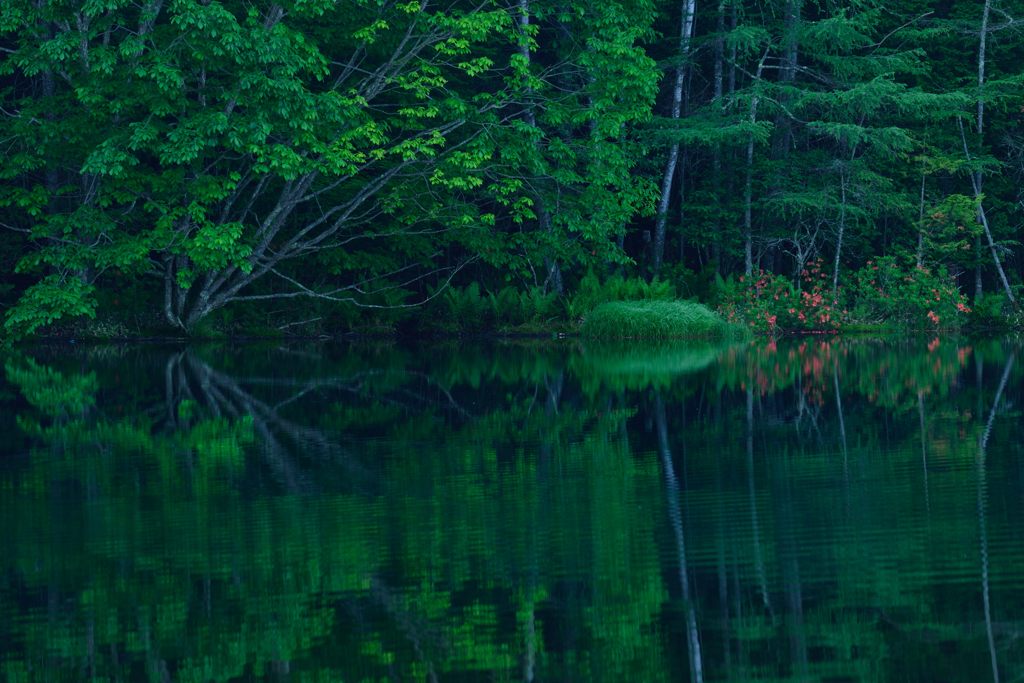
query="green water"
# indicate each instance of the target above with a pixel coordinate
(811, 510)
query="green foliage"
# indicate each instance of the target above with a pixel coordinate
(656, 320)
(49, 300)
(230, 150)
(468, 309)
(949, 232)
(886, 291)
(468, 504)
(617, 366)
(352, 158)
(771, 303)
(992, 312)
(889, 290)
(592, 292)
(465, 307)
(50, 391)
(509, 307)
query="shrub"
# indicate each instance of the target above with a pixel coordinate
(465, 308)
(472, 310)
(655, 320)
(512, 308)
(886, 291)
(771, 303)
(995, 312)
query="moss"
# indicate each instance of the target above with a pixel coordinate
(657, 320)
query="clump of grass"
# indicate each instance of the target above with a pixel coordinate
(657, 320)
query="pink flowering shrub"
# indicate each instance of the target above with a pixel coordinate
(886, 291)
(768, 302)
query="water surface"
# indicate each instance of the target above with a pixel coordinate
(806, 510)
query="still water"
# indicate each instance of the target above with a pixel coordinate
(807, 510)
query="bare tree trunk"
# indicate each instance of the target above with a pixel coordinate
(839, 238)
(790, 53)
(733, 21)
(716, 160)
(169, 288)
(748, 191)
(719, 51)
(663, 204)
(978, 288)
(685, 35)
(976, 176)
(920, 226)
(748, 197)
(790, 40)
(683, 161)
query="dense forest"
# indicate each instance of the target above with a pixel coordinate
(309, 166)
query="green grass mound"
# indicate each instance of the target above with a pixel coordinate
(657, 320)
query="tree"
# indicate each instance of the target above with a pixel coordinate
(218, 145)
(688, 8)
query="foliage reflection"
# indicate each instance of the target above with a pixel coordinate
(808, 509)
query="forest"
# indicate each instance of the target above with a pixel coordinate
(207, 167)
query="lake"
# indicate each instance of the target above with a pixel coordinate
(812, 509)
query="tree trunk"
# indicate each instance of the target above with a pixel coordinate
(716, 160)
(553, 278)
(748, 191)
(733, 21)
(685, 34)
(976, 176)
(683, 161)
(920, 226)
(719, 51)
(787, 75)
(978, 288)
(839, 238)
(789, 40)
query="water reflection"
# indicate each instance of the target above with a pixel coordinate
(814, 509)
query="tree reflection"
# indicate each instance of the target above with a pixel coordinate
(675, 517)
(982, 513)
(524, 512)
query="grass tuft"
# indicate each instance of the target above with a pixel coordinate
(657, 320)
